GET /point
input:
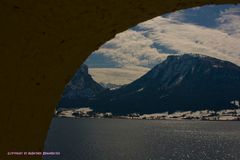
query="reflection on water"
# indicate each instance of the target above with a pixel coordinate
(115, 139)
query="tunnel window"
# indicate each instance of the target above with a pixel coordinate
(212, 31)
(183, 65)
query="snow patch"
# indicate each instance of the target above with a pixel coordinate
(141, 89)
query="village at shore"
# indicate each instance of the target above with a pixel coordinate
(223, 115)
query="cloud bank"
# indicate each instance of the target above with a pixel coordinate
(189, 38)
(131, 48)
(150, 42)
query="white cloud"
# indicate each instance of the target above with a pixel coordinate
(229, 22)
(135, 47)
(131, 48)
(189, 38)
(177, 15)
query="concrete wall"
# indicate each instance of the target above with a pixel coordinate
(42, 43)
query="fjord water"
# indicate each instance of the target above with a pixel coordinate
(121, 139)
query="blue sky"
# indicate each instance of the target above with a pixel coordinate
(204, 16)
(210, 30)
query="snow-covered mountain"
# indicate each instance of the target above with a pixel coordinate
(80, 89)
(180, 83)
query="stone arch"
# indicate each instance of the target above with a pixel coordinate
(44, 42)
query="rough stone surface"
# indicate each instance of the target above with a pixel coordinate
(42, 44)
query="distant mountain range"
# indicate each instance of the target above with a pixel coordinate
(180, 83)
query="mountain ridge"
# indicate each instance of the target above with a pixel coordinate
(81, 88)
(180, 83)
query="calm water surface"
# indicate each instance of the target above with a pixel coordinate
(119, 139)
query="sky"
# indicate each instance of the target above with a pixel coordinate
(209, 30)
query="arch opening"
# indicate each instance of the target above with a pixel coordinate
(44, 42)
(174, 67)
(208, 31)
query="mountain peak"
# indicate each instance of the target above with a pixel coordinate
(180, 83)
(192, 57)
(195, 57)
(186, 82)
(83, 69)
(80, 89)
(186, 62)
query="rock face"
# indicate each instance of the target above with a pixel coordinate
(80, 89)
(180, 83)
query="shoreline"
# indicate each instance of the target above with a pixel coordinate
(138, 119)
(203, 115)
